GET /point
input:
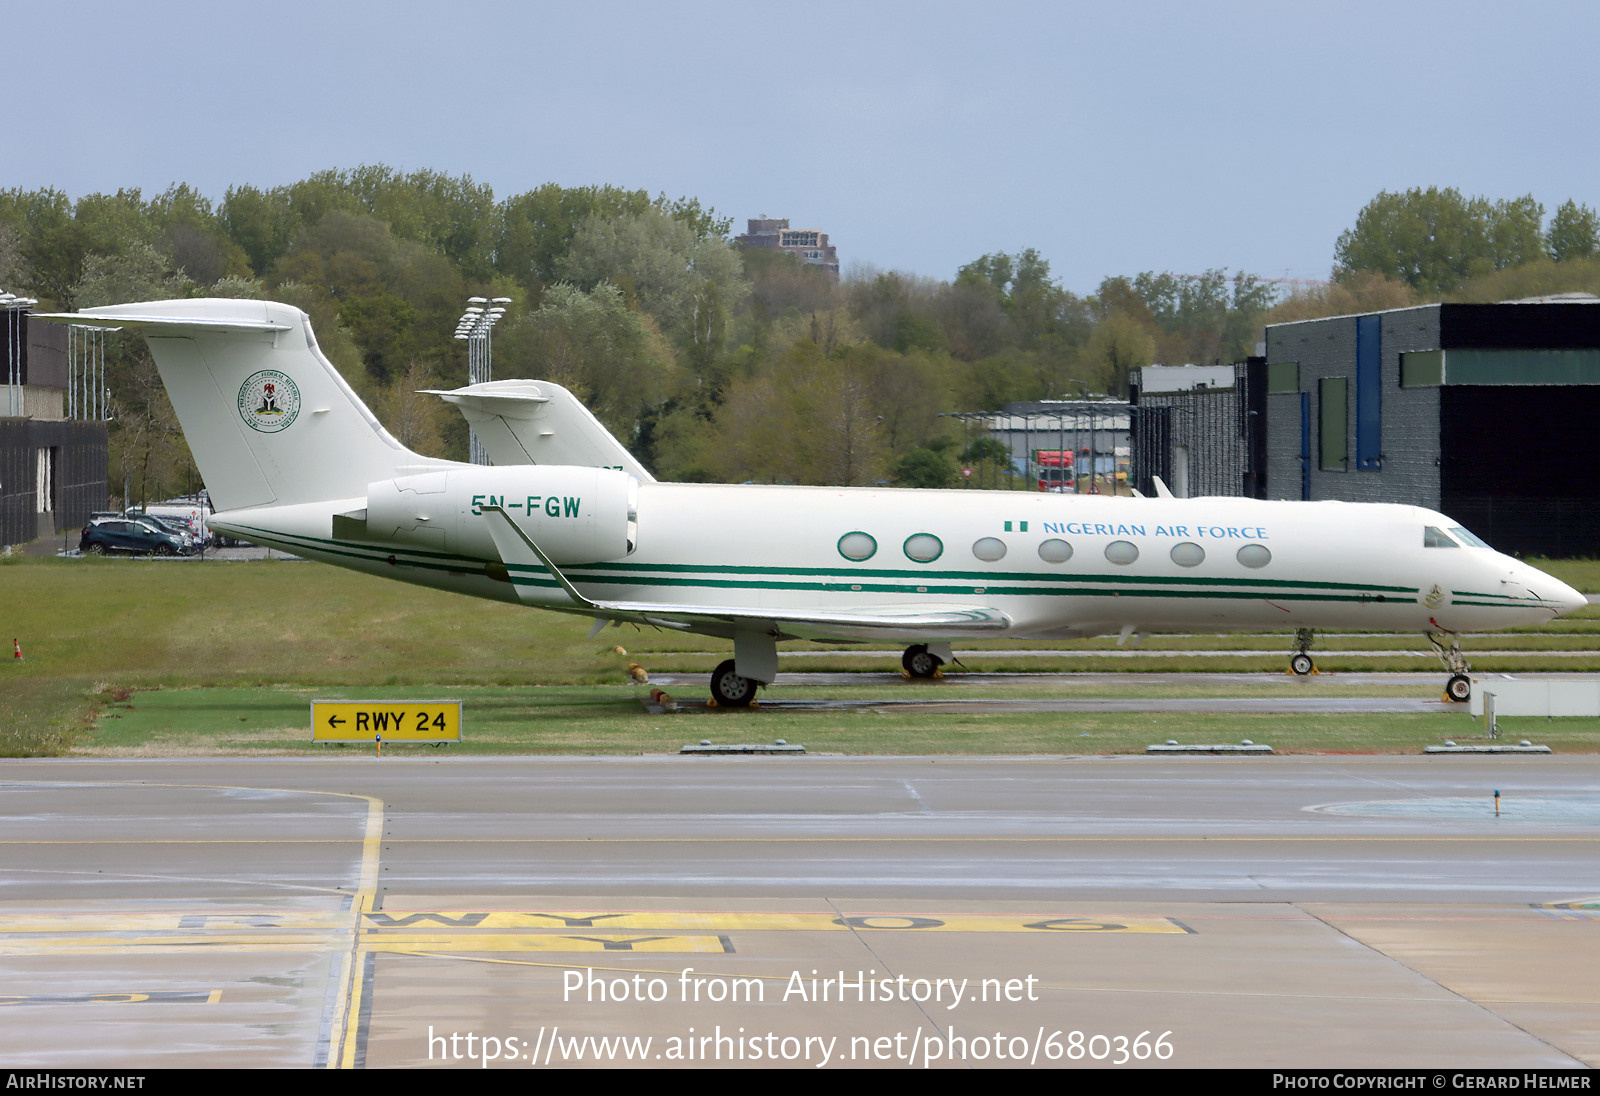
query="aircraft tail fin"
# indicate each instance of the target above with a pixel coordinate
(539, 422)
(268, 418)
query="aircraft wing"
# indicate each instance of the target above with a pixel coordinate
(518, 550)
(539, 422)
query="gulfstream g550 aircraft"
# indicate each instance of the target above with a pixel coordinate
(571, 522)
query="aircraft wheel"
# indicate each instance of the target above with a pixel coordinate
(1458, 688)
(1301, 664)
(919, 663)
(730, 690)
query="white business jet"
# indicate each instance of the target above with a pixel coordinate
(568, 520)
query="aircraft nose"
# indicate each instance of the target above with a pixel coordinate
(1563, 598)
(1569, 600)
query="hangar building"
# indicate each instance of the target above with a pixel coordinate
(52, 461)
(1486, 412)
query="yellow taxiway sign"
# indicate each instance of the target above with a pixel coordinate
(388, 720)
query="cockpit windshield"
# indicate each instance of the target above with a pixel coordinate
(1466, 538)
(1434, 537)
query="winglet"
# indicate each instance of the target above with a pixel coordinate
(1162, 490)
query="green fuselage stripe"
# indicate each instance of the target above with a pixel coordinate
(878, 580)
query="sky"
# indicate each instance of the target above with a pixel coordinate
(1113, 139)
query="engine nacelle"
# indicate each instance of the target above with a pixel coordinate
(575, 515)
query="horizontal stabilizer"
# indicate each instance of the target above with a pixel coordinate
(115, 318)
(539, 422)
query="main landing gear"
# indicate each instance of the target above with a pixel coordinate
(729, 690)
(918, 661)
(1459, 687)
(754, 663)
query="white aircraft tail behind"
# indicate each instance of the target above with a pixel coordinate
(269, 420)
(540, 422)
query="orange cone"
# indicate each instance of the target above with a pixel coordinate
(16, 650)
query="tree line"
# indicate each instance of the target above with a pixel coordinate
(710, 362)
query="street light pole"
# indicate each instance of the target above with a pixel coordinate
(474, 328)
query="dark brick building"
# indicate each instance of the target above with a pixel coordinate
(1486, 412)
(52, 469)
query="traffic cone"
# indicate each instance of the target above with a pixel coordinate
(16, 650)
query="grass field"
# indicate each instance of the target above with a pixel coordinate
(125, 656)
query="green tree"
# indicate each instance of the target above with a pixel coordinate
(416, 419)
(1119, 345)
(927, 468)
(1574, 233)
(680, 278)
(141, 273)
(1435, 239)
(609, 356)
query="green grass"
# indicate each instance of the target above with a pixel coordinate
(613, 720)
(184, 657)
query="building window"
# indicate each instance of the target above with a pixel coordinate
(1422, 369)
(1283, 377)
(1333, 422)
(45, 488)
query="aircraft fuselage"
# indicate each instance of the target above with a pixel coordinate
(1056, 566)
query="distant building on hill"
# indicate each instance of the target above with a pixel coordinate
(810, 245)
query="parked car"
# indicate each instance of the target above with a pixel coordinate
(196, 511)
(104, 535)
(182, 528)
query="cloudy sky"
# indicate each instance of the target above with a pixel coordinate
(1112, 138)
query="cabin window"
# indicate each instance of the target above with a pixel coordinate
(1188, 554)
(857, 546)
(1055, 551)
(1122, 552)
(1466, 538)
(990, 549)
(1254, 555)
(924, 547)
(1434, 537)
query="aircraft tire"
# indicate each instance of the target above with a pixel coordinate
(730, 690)
(1301, 664)
(919, 663)
(1458, 688)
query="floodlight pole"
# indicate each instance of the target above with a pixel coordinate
(474, 328)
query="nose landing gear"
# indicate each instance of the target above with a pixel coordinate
(1300, 663)
(1459, 687)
